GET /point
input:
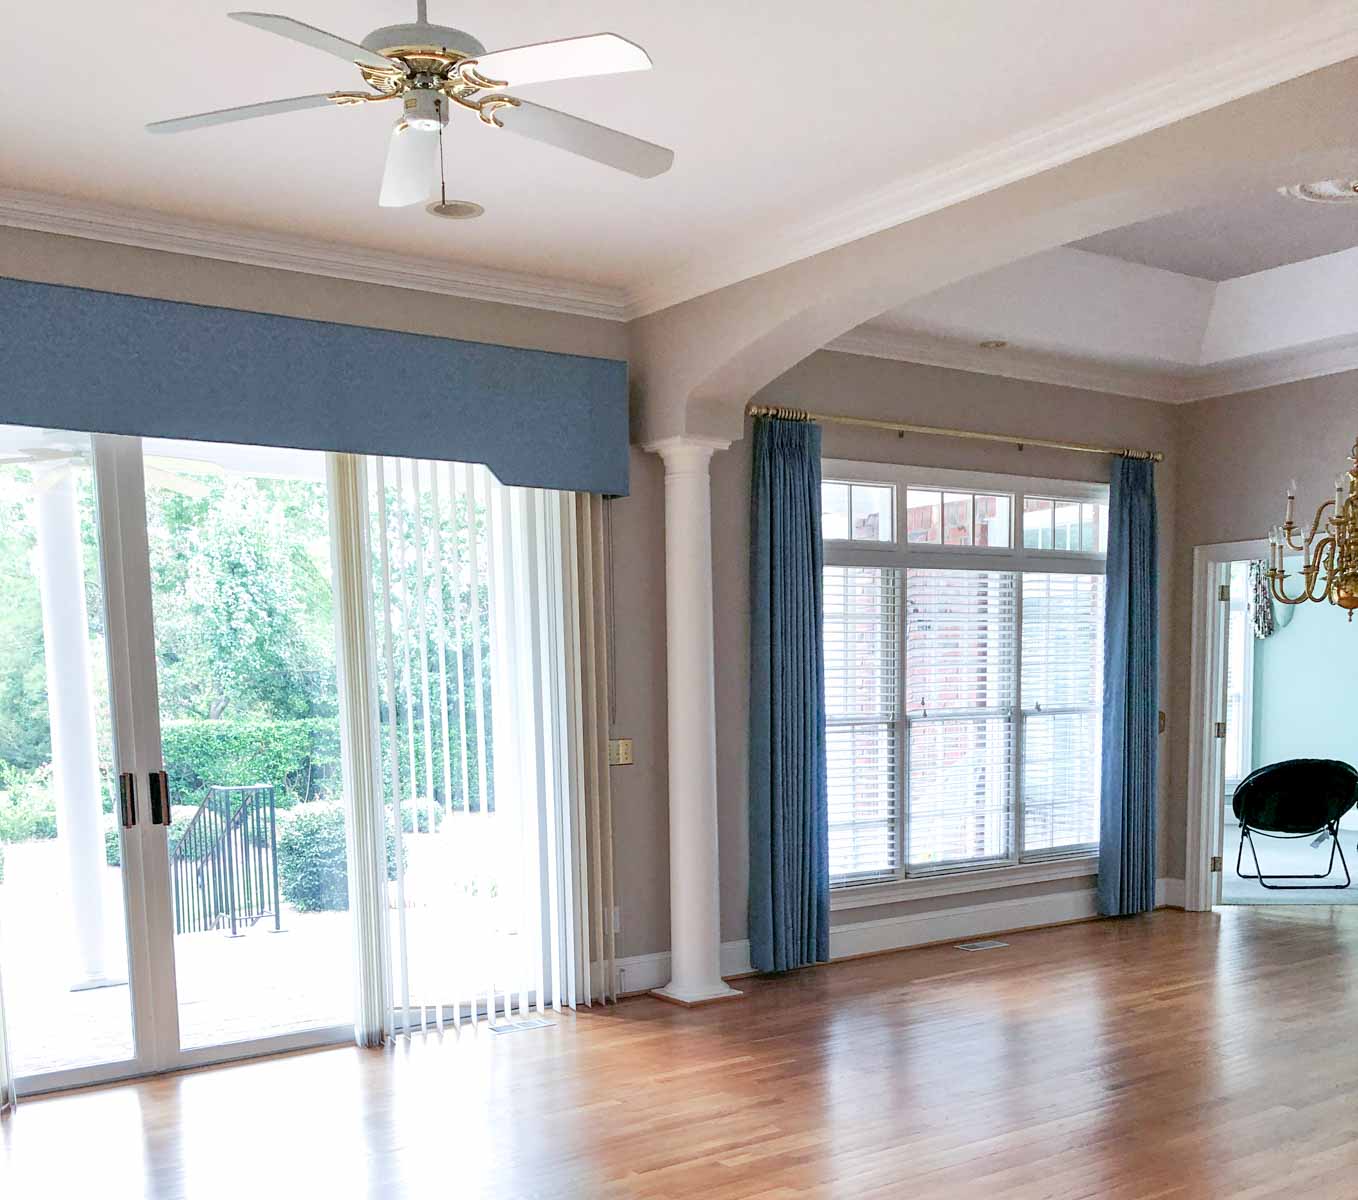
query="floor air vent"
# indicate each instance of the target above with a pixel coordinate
(989, 944)
(521, 1024)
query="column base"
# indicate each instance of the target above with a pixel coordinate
(695, 998)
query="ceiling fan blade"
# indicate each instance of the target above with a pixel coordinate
(569, 58)
(578, 136)
(318, 39)
(224, 116)
(412, 166)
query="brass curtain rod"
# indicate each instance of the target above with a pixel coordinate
(900, 427)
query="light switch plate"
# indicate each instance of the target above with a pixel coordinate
(620, 752)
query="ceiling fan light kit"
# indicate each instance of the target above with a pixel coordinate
(433, 69)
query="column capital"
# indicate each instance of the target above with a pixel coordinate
(685, 453)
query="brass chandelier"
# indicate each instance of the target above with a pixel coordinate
(1329, 565)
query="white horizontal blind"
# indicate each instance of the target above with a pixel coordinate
(862, 669)
(960, 693)
(1062, 696)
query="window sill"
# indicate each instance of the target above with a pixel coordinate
(958, 883)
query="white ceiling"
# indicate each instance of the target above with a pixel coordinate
(1226, 241)
(784, 116)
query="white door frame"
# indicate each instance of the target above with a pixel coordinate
(1206, 761)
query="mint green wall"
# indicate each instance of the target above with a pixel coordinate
(1305, 684)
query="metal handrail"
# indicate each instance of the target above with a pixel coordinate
(224, 867)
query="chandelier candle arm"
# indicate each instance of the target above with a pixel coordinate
(1329, 566)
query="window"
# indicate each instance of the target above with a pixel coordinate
(964, 671)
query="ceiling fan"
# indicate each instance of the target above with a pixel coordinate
(432, 70)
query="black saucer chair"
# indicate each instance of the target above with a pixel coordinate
(1299, 798)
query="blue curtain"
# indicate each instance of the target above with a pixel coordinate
(789, 831)
(1130, 695)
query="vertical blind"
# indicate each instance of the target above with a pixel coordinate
(963, 717)
(491, 691)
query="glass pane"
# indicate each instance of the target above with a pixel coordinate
(1037, 523)
(834, 512)
(992, 521)
(1061, 767)
(245, 654)
(924, 516)
(1089, 527)
(63, 932)
(1101, 542)
(956, 519)
(872, 513)
(958, 808)
(862, 656)
(1067, 536)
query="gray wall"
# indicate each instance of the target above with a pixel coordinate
(1239, 453)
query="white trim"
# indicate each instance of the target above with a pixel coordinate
(871, 341)
(960, 883)
(1286, 366)
(1183, 386)
(1169, 893)
(177, 235)
(1237, 71)
(1204, 812)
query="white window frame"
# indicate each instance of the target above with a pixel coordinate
(915, 883)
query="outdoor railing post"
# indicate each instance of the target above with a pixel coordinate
(273, 861)
(230, 869)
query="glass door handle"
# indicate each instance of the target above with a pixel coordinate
(160, 797)
(127, 799)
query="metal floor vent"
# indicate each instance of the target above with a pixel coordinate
(521, 1024)
(989, 944)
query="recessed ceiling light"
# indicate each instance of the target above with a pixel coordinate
(455, 210)
(1324, 191)
(994, 344)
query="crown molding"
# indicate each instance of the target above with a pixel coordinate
(1030, 366)
(1289, 366)
(154, 231)
(1168, 387)
(1250, 67)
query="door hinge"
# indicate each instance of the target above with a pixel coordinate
(127, 799)
(1216, 862)
(160, 797)
(1221, 729)
(1224, 593)
(1161, 721)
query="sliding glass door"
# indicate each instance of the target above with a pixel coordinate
(63, 926)
(178, 856)
(239, 550)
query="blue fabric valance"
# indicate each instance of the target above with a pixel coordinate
(102, 362)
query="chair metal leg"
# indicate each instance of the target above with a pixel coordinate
(1247, 835)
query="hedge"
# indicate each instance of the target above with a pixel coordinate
(313, 870)
(301, 758)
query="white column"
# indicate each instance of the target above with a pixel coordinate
(695, 912)
(70, 709)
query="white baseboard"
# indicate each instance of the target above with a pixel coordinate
(1169, 893)
(642, 972)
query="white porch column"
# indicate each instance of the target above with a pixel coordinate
(695, 914)
(70, 708)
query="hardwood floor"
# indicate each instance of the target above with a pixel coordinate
(1178, 1055)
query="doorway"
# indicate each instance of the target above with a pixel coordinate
(1262, 700)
